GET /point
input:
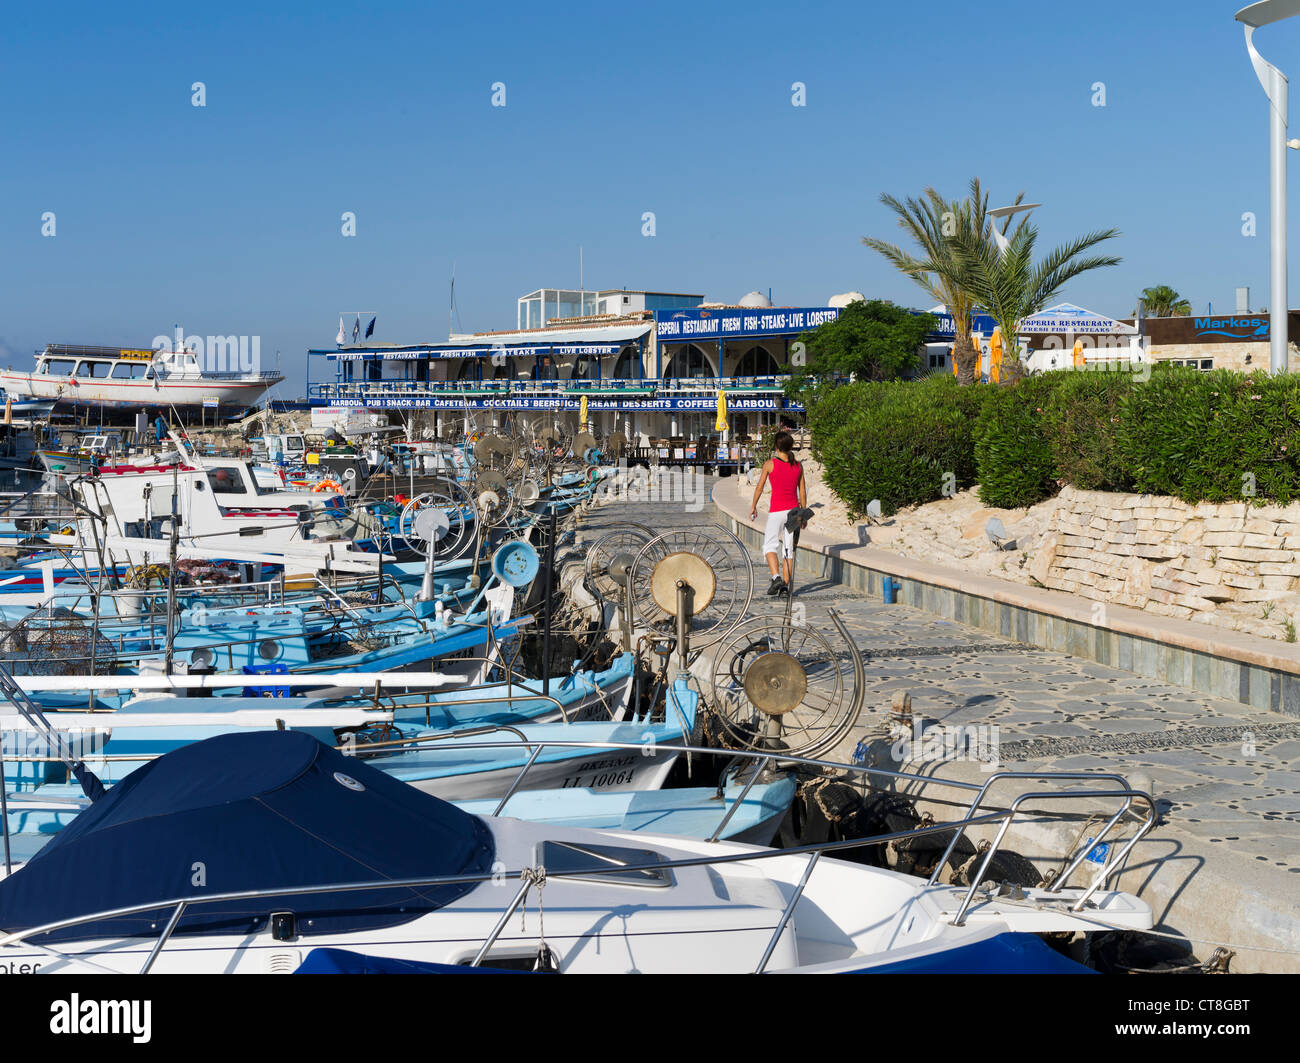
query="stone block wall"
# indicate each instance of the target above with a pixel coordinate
(1174, 559)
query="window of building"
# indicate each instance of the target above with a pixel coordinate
(757, 361)
(689, 363)
(628, 366)
(1203, 364)
(657, 301)
(938, 361)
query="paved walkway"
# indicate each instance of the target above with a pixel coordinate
(1225, 775)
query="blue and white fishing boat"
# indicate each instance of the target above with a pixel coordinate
(247, 852)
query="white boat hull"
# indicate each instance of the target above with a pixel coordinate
(134, 394)
(705, 920)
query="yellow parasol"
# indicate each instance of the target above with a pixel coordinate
(995, 356)
(721, 424)
(1078, 356)
(9, 409)
(582, 412)
(976, 341)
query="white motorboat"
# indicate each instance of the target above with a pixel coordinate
(124, 378)
(246, 852)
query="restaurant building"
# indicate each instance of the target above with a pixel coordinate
(650, 364)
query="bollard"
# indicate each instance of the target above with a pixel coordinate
(891, 587)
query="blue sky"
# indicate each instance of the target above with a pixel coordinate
(226, 218)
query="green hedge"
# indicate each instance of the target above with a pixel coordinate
(895, 441)
(1081, 421)
(1202, 437)
(1214, 437)
(1013, 457)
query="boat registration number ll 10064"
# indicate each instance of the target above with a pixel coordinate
(615, 771)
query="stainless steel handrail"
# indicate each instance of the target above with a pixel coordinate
(1055, 887)
(1001, 776)
(19, 936)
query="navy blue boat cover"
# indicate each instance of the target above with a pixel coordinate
(243, 811)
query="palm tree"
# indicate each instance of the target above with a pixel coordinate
(938, 227)
(1163, 301)
(1011, 287)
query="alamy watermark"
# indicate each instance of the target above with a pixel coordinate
(945, 742)
(218, 354)
(659, 484)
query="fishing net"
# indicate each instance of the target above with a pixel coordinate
(54, 641)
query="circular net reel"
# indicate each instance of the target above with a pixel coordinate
(449, 537)
(716, 567)
(778, 685)
(587, 449)
(609, 560)
(547, 446)
(494, 502)
(497, 452)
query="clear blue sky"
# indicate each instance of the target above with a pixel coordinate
(227, 218)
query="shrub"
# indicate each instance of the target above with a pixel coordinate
(1013, 456)
(1081, 419)
(1213, 437)
(896, 441)
(1202, 437)
(829, 409)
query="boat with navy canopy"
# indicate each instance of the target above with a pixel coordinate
(245, 852)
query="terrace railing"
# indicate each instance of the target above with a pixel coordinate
(380, 389)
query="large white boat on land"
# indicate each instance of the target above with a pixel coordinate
(125, 378)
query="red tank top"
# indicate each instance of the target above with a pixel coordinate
(785, 482)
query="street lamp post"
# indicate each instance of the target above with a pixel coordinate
(997, 214)
(1276, 88)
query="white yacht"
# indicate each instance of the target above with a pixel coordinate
(123, 378)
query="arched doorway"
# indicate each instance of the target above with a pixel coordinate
(584, 367)
(628, 366)
(690, 363)
(757, 361)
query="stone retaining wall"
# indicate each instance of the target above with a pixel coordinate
(1167, 557)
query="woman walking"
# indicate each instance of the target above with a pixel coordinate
(788, 492)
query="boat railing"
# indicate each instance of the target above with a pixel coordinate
(528, 876)
(409, 701)
(149, 651)
(780, 761)
(236, 375)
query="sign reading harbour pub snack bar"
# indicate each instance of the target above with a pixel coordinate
(682, 326)
(556, 402)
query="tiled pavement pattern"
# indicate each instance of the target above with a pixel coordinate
(1227, 776)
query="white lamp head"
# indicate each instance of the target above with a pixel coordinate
(1265, 12)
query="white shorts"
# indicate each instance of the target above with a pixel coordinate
(775, 535)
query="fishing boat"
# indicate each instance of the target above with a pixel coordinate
(84, 377)
(247, 852)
